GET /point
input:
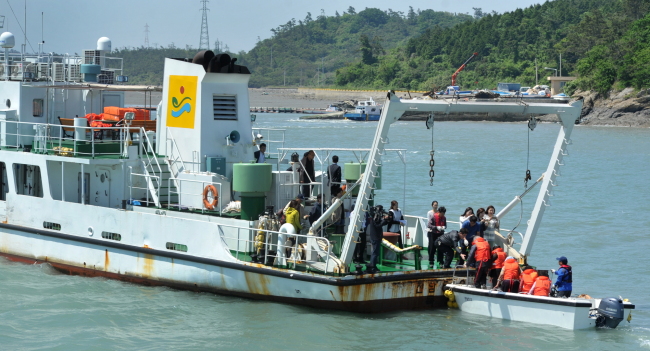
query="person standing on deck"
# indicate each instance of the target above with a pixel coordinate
(293, 216)
(498, 258)
(564, 281)
(376, 232)
(259, 154)
(307, 174)
(334, 176)
(473, 228)
(491, 223)
(435, 229)
(469, 212)
(398, 221)
(433, 211)
(480, 257)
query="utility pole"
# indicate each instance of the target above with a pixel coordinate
(560, 65)
(271, 57)
(146, 35)
(536, 75)
(204, 43)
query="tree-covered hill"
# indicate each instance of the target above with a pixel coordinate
(307, 51)
(589, 34)
(606, 43)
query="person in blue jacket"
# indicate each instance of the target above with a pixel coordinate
(564, 281)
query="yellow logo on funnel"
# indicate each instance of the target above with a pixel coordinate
(181, 101)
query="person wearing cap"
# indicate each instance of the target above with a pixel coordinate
(564, 282)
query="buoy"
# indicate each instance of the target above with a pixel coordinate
(215, 197)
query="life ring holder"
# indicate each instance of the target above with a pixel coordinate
(215, 197)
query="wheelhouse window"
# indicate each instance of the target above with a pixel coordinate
(37, 107)
(28, 180)
(3, 182)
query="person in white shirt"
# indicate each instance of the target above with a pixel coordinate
(259, 155)
(434, 209)
(398, 221)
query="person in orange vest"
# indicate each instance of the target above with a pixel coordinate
(541, 286)
(527, 279)
(480, 258)
(509, 277)
(498, 257)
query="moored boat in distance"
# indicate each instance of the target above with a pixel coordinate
(366, 110)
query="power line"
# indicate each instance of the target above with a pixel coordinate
(204, 42)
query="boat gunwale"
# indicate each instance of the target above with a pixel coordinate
(527, 298)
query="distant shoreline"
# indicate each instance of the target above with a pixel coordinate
(597, 112)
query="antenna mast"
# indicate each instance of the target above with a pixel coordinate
(204, 43)
(146, 35)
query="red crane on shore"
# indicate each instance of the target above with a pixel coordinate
(453, 76)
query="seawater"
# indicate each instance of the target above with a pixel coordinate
(597, 218)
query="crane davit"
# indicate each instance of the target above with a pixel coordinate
(453, 76)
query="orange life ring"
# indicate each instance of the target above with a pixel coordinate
(215, 197)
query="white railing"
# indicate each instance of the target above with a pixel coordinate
(192, 195)
(63, 68)
(273, 138)
(148, 179)
(273, 242)
(84, 142)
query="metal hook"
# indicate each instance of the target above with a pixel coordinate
(568, 141)
(552, 182)
(564, 152)
(548, 192)
(556, 173)
(559, 164)
(546, 204)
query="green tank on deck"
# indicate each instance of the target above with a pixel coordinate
(352, 172)
(252, 181)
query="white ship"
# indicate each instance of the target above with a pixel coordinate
(148, 201)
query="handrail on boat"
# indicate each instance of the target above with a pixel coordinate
(268, 245)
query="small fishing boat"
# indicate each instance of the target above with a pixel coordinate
(569, 313)
(366, 110)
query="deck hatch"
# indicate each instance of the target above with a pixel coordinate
(224, 107)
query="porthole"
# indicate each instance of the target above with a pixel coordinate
(51, 225)
(112, 236)
(176, 247)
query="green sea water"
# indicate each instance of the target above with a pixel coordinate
(597, 218)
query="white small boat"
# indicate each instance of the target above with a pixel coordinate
(569, 313)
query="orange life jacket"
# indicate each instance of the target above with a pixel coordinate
(527, 279)
(482, 253)
(511, 269)
(542, 286)
(501, 256)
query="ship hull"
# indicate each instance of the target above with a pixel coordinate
(364, 293)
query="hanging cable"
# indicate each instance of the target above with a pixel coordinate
(532, 123)
(432, 162)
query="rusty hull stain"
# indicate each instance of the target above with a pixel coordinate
(257, 283)
(107, 261)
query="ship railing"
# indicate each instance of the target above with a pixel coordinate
(273, 138)
(190, 192)
(76, 141)
(148, 178)
(271, 250)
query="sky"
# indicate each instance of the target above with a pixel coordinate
(70, 26)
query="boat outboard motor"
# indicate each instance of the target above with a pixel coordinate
(610, 312)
